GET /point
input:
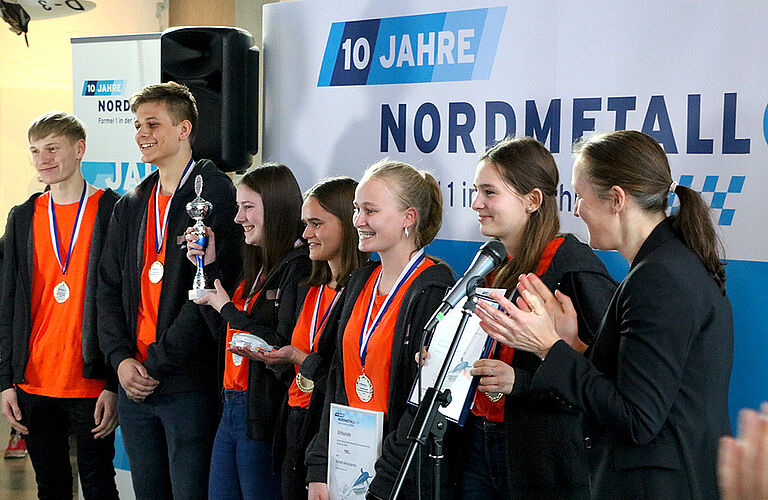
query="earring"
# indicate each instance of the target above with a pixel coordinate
(406, 231)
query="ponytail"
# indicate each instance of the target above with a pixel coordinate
(430, 222)
(693, 223)
(413, 188)
(637, 163)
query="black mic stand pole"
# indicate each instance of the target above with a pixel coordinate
(429, 423)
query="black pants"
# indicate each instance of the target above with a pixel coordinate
(49, 420)
(293, 471)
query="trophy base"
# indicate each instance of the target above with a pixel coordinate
(200, 293)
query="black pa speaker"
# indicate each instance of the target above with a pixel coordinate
(221, 68)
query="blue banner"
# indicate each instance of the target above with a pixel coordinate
(438, 47)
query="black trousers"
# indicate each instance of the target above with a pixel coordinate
(293, 472)
(49, 420)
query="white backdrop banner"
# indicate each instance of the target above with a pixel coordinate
(433, 83)
(106, 71)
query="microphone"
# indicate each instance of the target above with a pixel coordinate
(490, 255)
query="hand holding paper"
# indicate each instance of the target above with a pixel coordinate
(248, 346)
(495, 376)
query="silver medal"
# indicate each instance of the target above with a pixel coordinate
(364, 388)
(61, 292)
(155, 272)
(237, 360)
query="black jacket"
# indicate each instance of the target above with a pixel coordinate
(272, 317)
(421, 299)
(16, 298)
(654, 391)
(184, 356)
(545, 449)
(315, 368)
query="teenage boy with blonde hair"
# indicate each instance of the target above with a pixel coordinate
(52, 373)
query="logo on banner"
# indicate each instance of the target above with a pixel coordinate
(709, 192)
(103, 87)
(120, 176)
(438, 47)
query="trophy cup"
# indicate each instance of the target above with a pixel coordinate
(199, 209)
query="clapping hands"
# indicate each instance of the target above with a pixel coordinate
(537, 320)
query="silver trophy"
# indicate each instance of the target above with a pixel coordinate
(199, 209)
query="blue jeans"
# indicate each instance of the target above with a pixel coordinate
(168, 440)
(241, 468)
(484, 475)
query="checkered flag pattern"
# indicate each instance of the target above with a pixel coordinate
(711, 195)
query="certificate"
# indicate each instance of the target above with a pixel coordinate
(473, 345)
(354, 445)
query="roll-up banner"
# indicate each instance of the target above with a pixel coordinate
(432, 83)
(106, 71)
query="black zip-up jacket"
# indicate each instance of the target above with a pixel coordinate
(184, 356)
(16, 298)
(546, 457)
(315, 368)
(272, 317)
(421, 299)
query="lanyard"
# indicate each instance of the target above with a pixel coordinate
(251, 297)
(161, 230)
(315, 326)
(368, 327)
(54, 228)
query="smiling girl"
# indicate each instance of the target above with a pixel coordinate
(265, 303)
(332, 242)
(525, 442)
(398, 210)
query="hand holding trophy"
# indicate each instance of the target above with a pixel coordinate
(199, 209)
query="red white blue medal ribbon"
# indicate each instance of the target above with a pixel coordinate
(54, 228)
(161, 230)
(368, 326)
(314, 325)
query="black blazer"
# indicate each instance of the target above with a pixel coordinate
(272, 317)
(654, 392)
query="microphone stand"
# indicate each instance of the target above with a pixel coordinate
(430, 424)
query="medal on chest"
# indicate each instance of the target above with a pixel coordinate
(495, 397)
(61, 291)
(156, 270)
(363, 384)
(364, 388)
(304, 384)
